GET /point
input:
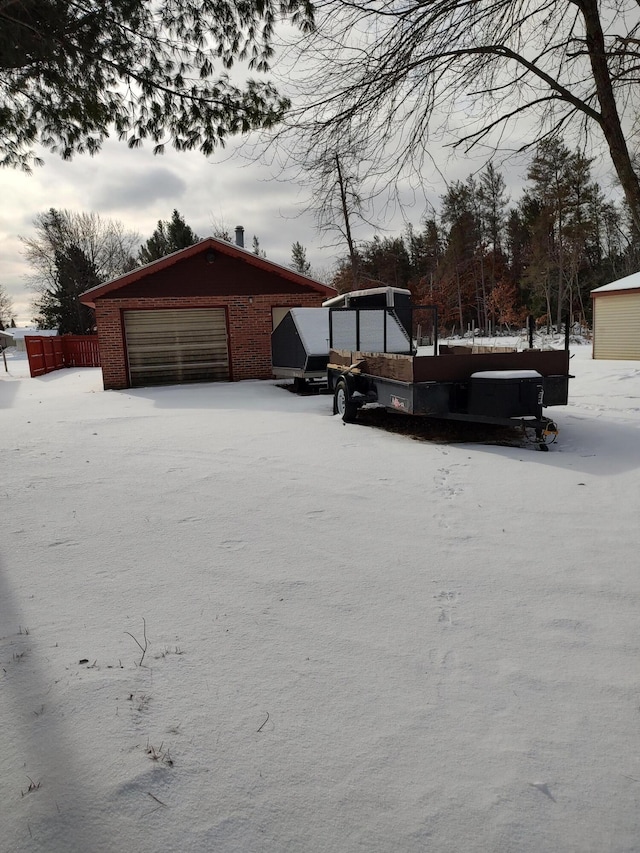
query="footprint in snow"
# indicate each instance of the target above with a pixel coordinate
(233, 544)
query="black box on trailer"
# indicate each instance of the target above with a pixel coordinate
(506, 393)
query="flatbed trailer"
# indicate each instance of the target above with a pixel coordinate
(501, 388)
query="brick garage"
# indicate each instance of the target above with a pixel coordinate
(213, 301)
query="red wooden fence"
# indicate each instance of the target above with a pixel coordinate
(51, 353)
(81, 351)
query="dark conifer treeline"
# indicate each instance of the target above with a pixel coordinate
(487, 262)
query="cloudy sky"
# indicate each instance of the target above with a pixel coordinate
(138, 188)
(234, 187)
(231, 188)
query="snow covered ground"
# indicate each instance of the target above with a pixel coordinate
(354, 641)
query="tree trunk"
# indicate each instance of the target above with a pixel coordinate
(459, 294)
(560, 267)
(610, 118)
(347, 225)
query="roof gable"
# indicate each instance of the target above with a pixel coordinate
(209, 244)
(629, 282)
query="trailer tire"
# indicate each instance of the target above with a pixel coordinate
(343, 403)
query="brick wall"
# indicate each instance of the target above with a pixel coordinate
(249, 322)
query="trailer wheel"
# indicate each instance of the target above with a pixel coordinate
(343, 403)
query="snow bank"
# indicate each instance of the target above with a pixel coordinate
(354, 641)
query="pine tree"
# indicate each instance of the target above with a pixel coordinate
(386, 261)
(60, 307)
(425, 254)
(72, 74)
(256, 248)
(492, 202)
(458, 279)
(104, 245)
(169, 236)
(564, 247)
(299, 260)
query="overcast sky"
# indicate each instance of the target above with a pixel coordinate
(231, 188)
(138, 188)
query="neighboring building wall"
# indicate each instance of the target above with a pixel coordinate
(249, 325)
(616, 325)
(18, 334)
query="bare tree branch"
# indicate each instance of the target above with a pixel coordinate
(396, 77)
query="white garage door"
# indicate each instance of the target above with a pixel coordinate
(166, 347)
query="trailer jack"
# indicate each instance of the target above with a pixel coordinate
(546, 435)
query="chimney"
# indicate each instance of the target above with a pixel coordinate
(240, 236)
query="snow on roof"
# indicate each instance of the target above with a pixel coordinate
(630, 282)
(21, 332)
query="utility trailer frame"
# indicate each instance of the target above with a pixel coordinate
(501, 388)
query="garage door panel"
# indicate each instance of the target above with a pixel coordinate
(174, 346)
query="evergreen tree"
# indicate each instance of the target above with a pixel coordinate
(255, 243)
(485, 264)
(549, 174)
(169, 236)
(458, 279)
(60, 307)
(425, 253)
(299, 260)
(59, 234)
(72, 73)
(492, 203)
(566, 213)
(385, 261)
